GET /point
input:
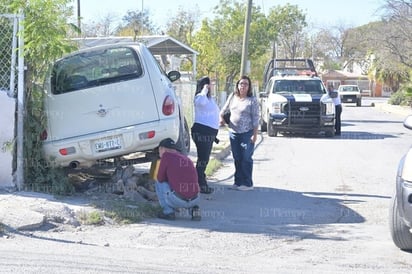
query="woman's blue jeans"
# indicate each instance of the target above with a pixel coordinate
(242, 152)
(169, 201)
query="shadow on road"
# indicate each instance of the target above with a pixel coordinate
(276, 212)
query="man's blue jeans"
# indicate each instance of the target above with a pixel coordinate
(242, 152)
(169, 201)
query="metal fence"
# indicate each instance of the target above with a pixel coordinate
(12, 77)
(8, 56)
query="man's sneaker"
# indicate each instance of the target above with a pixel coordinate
(170, 216)
(196, 216)
(234, 186)
(245, 188)
(206, 190)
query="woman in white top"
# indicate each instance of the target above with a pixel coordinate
(204, 129)
(338, 108)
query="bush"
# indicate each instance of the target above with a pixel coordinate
(403, 96)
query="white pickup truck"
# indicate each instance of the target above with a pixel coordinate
(295, 100)
(350, 94)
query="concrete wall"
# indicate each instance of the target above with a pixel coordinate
(7, 117)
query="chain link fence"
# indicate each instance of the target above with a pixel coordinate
(8, 55)
(12, 84)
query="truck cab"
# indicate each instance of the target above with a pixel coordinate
(295, 100)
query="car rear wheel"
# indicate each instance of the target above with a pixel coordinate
(184, 138)
(401, 235)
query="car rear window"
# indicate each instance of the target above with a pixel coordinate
(349, 88)
(95, 68)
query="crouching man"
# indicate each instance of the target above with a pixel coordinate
(176, 185)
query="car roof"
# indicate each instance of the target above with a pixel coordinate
(294, 77)
(102, 47)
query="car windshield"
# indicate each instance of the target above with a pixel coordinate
(298, 86)
(96, 68)
(349, 88)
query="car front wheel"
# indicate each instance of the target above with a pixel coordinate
(401, 235)
(272, 132)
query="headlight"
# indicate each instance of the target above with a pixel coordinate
(277, 107)
(330, 108)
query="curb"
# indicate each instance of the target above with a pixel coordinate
(401, 110)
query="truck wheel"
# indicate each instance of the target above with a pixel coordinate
(400, 233)
(271, 131)
(263, 125)
(359, 103)
(330, 133)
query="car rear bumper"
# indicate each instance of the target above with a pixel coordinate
(352, 98)
(86, 150)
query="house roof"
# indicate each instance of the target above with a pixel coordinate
(340, 74)
(158, 45)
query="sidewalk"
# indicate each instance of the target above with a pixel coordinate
(29, 210)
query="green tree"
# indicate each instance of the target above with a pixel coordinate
(286, 25)
(225, 34)
(209, 59)
(137, 23)
(182, 25)
(45, 36)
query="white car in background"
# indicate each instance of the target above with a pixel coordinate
(350, 94)
(109, 101)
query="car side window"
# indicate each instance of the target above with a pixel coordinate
(95, 68)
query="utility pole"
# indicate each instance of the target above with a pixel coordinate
(78, 14)
(244, 67)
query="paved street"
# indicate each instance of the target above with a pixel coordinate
(320, 205)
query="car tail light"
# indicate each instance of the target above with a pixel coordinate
(168, 105)
(43, 135)
(67, 151)
(147, 135)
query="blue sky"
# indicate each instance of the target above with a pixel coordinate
(319, 12)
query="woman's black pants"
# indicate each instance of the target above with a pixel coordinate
(203, 137)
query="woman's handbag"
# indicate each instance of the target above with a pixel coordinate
(226, 116)
(226, 113)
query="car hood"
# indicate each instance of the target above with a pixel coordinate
(299, 97)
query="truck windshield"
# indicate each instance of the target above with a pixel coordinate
(314, 86)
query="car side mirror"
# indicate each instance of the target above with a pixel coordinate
(408, 122)
(263, 94)
(173, 75)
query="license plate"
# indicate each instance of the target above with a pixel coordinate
(106, 144)
(349, 100)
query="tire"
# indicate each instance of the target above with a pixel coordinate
(401, 235)
(263, 125)
(330, 133)
(271, 131)
(359, 103)
(184, 138)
